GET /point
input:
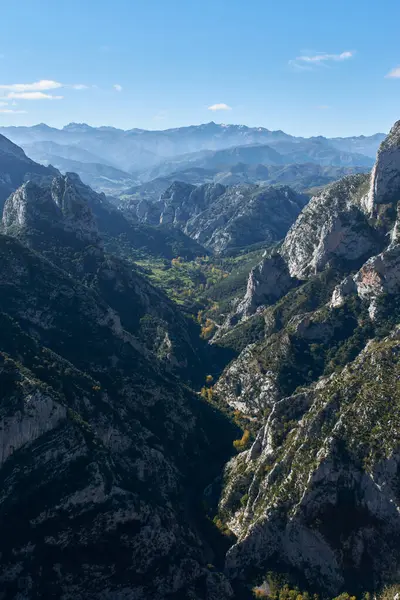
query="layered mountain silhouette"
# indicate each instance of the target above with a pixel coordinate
(114, 154)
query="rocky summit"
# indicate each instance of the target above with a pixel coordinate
(199, 386)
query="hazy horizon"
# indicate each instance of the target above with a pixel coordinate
(161, 129)
(304, 68)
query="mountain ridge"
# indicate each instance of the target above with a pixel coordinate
(140, 150)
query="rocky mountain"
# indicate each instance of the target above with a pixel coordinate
(315, 497)
(215, 159)
(98, 449)
(332, 230)
(288, 152)
(300, 177)
(244, 216)
(361, 144)
(221, 218)
(57, 221)
(16, 167)
(91, 170)
(320, 151)
(40, 151)
(102, 449)
(120, 234)
(320, 483)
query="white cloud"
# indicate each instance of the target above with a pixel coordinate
(10, 111)
(3, 103)
(324, 57)
(220, 106)
(117, 87)
(394, 73)
(32, 96)
(37, 89)
(307, 61)
(37, 86)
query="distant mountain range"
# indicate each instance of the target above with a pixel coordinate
(112, 160)
(91, 168)
(300, 177)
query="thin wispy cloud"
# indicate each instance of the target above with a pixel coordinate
(11, 111)
(32, 96)
(221, 106)
(117, 87)
(37, 90)
(308, 61)
(394, 74)
(36, 86)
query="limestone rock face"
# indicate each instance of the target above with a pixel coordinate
(248, 386)
(245, 215)
(38, 413)
(315, 500)
(183, 201)
(222, 218)
(335, 228)
(95, 446)
(341, 291)
(268, 281)
(385, 179)
(331, 228)
(378, 276)
(59, 206)
(180, 202)
(317, 494)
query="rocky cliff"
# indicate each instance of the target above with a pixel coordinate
(333, 230)
(315, 498)
(98, 439)
(58, 220)
(16, 167)
(222, 218)
(320, 483)
(98, 447)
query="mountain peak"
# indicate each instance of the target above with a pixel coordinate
(51, 207)
(77, 127)
(385, 178)
(10, 148)
(392, 140)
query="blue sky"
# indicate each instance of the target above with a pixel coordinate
(307, 67)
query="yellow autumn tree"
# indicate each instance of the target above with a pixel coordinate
(243, 443)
